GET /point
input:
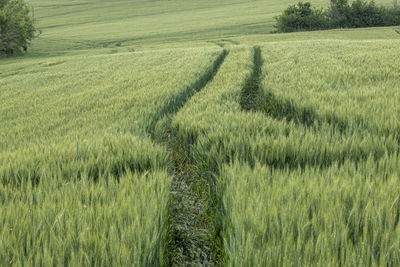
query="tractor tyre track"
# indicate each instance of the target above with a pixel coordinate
(191, 227)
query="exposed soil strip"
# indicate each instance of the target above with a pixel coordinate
(192, 236)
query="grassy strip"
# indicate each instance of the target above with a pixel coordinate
(335, 210)
(253, 98)
(285, 109)
(256, 98)
(214, 126)
(197, 222)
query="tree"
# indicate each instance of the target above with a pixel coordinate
(366, 14)
(339, 13)
(301, 17)
(16, 27)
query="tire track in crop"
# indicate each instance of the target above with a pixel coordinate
(252, 96)
(178, 102)
(192, 235)
(255, 99)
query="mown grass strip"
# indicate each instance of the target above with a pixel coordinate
(205, 243)
(253, 98)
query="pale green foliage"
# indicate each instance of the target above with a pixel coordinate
(83, 223)
(325, 163)
(100, 26)
(232, 134)
(142, 24)
(352, 82)
(81, 182)
(217, 105)
(77, 97)
(346, 216)
(60, 125)
(96, 158)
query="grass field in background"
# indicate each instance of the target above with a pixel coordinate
(97, 25)
(308, 176)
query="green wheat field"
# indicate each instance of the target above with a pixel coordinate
(185, 133)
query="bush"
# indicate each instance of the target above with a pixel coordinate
(362, 13)
(340, 14)
(392, 16)
(16, 27)
(301, 17)
(359, 14)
